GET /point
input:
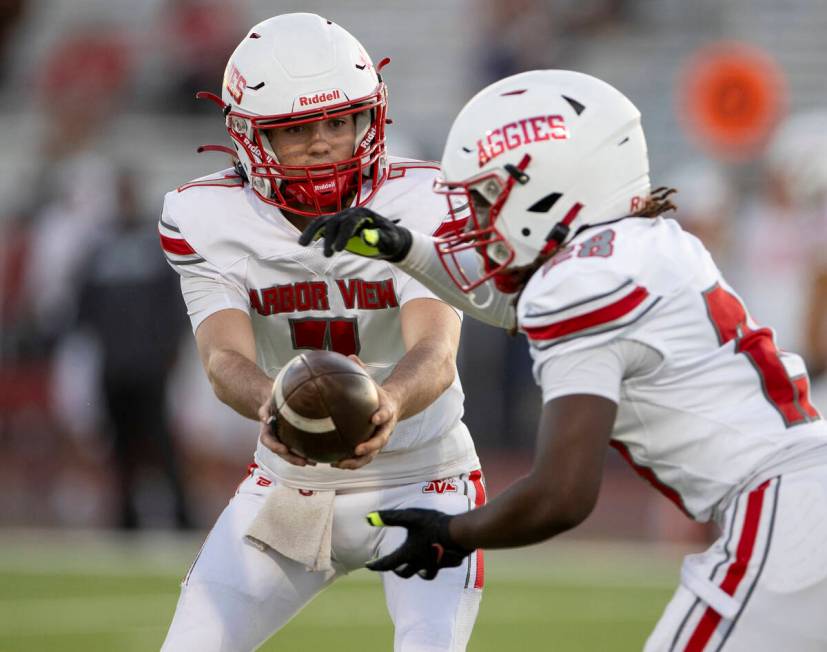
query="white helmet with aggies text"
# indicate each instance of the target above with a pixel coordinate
(297, 69)
(537, 156)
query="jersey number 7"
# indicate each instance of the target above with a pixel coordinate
(790, 396)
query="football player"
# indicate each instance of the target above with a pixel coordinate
(638, 343)
(305, 109)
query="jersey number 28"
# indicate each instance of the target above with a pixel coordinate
(790, 396)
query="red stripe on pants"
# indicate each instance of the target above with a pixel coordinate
(735, 573)
(479, 501)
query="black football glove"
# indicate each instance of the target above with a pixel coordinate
(360, 231)
(428, 547)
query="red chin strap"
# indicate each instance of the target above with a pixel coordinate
(325, 192)
(506, 283)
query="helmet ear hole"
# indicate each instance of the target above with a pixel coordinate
(526, 232)
(545, 204)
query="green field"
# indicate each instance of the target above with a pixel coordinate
(94, 591)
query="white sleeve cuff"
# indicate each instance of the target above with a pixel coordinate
(205, 297)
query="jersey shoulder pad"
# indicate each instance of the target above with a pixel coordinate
(407, 195)
(595, 289)
(399, 168)
(193, 222)
(175, 245)
(228, 178)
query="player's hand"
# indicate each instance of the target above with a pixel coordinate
(268, 435)
(427, 548)
(385, 419)
(360, 231)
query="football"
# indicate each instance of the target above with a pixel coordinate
(324, 402)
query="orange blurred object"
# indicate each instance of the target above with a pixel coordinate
(730, 98)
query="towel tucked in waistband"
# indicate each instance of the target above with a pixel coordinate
(296, 523)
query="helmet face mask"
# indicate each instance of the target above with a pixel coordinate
(552, 151)
(283, 65)
(473, 206)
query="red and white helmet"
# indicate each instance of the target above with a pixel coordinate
(298, 69)
(550, 151)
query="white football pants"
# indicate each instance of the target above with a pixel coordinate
(235, 596)
(761, 587)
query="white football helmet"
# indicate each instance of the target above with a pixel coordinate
(797, 155)
(302, 68)
(535, 157)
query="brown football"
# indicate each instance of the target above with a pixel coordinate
(324, 402)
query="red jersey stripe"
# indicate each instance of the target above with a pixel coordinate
(176, 246)
(802, 386)
(735, 573)
(648, 474)
(429, 165)
(231, 181)
(602, 315)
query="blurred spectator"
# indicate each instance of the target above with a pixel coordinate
(83, 77)
(782, 236)
(530, 34)
(11, 11)
(515, 36)
(129, 301)
(14, 251)
(62, 236)
(81, 82)
(706, 202)
(198, 37)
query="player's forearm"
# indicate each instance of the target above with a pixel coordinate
(238, 382)
(423, 264)
(423, 373)
(524, 514)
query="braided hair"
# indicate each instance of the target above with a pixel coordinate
(656, 204)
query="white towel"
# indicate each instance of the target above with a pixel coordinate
(296, 524)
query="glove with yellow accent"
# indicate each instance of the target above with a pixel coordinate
(427, 549)
(360, 231)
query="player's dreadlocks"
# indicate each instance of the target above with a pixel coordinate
(656, 204)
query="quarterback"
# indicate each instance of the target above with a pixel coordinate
(638, 343)
(305, 109)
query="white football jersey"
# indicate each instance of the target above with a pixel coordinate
(234, 251)
(723, 405)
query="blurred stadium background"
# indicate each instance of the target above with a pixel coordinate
(98, 522)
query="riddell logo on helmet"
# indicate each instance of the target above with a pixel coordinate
(516, 134)
(255, 150)
(322, 97)
(368, 139)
